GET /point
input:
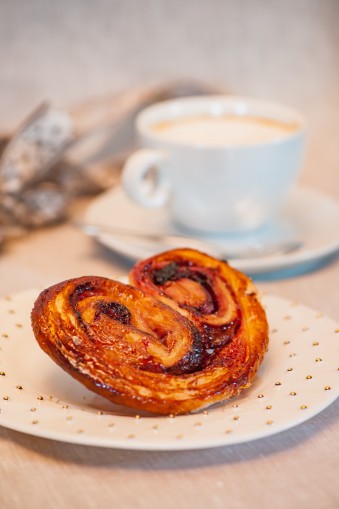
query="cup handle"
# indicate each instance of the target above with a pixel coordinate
(144, 178)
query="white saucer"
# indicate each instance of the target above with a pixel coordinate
(309, 216)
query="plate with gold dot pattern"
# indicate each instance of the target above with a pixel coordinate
(298, 378)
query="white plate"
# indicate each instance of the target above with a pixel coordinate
(298, 378)
(309, 216)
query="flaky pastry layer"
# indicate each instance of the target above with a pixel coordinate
(189, 331)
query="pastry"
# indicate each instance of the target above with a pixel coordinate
(187, 332)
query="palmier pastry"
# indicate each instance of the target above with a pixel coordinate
(126, 345)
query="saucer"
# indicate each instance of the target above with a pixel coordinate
(309, 216)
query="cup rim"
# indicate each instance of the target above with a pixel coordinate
(216, 105)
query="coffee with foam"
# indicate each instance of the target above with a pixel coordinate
(218, 164)
(223, 130)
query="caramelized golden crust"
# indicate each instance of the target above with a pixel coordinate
(223, 305)
(192, 334)
(199, 287)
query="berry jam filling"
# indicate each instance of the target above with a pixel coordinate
(113, 310)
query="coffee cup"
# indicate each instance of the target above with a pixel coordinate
(220, 163)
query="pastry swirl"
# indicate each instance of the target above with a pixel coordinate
(189, 332)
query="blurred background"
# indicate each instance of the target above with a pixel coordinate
(69, 52)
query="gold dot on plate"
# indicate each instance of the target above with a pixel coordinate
(198, 424)
(274, 330)
(327, 388)
(269, 422)
(205, 412)
(315, 343)
(268, 407)
(289, 369)
(11, 311)
(228, 430)
(287, 317)
(33, 409)
(293, 393)
(155, 426)
(6, 398)
(336, 331)
(80, 431)
(304, 329)
(277, 383)
(287, 342)
(236, 418)
(65, 406)
(69, 418)
(19, 325)
(303, 407)
(292, 355)
(111, 424)
(19, 387)
(171, 416)
(260, 395)
(309, 377)
(131, 435)
(2, 373)
(137, 417)
(4, 335)
(40, 398)
(235, 406)
(318, 359)
(100, 412)
(35, 421)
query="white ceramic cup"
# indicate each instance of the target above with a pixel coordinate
(231, 174)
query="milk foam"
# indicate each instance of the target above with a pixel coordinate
(208, 130)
